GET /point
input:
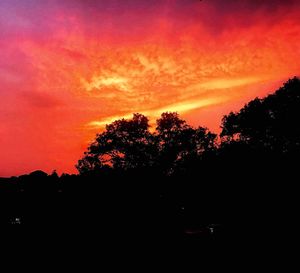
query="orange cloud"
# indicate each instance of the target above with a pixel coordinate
(86, 69)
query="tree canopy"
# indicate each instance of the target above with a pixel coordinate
(129, 144)
(270, 123)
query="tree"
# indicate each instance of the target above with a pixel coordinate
(128, 144)
(180, 143)
(125, 144)
(268, 124)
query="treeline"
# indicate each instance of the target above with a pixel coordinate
(172, 179)
(258, 143)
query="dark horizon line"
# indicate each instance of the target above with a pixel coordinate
(77, 173)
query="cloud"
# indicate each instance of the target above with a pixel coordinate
(65, 64)
(41, 100)
(227, 83)
(181, 107)
(251, 5)
(99, 83)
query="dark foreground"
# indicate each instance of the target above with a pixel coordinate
(190, 219)
(124, 210)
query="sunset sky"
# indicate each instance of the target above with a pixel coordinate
(68, 67)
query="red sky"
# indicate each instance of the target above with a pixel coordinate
(67, 67)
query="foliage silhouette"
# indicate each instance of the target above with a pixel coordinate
(269, 124)
(125, 144)
(128, 144)
(167, 182)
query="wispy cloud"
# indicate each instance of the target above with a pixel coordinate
(67, 68)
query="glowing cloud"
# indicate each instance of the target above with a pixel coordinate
(180, 107)
(69, 67)
(99, 82)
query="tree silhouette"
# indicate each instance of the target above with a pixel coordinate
(197, 176)
(269, 124)
(128, 144)
(125, 144)
(180, 143)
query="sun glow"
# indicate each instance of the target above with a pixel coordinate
(69, 67)
(100, 82)
(182, 108)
